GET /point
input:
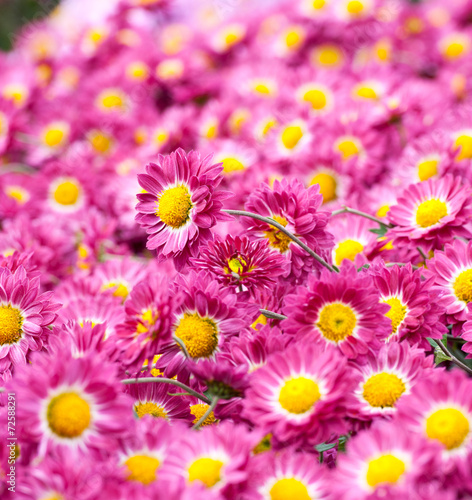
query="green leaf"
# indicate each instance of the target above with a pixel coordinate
(381, 231)
(325, 447)
(440, 356)
(432, 343)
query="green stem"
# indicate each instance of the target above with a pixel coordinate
(460, 364)
(207, 413)
(272, 315)
(182, 345)
(282, 229)
(163, 380)
(347, 210)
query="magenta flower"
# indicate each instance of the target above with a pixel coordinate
(180, 204)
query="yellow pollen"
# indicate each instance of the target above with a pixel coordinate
(347, 249)
(316, 97)
(68, 415)
(327, 185)
(336, 322)
(291, 136)
(231, 165)
(448, 426)
(236, 264)
(293, 39)
(262, 89)
(276, 238)
(347, 148)
(269, 125)
(137, 70)
(142, 468)
(366, 92)
(354, 7)
(464, 143)
(463, 286)
(200, 335)
(298, 395)
(430, 212)
(173, 206)
(328, 55)
(11, 323)
(67, 193)
(454, 50)
(198, 410)
(53, 137)
(261, 320)
(289, 489)
(383, 390)
(147, 319)
(396, 314)
(110, 101)
(383, 211)
(120, 289)
(427, 169)
(232, 38)
(385, 469)
(318, 4)
(206, 470)
(150, 408)
(100, 142)
(17, 193)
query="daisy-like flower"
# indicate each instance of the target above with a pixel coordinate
(25, 315)
(181, 204)
(153, 399)
(467, 333)
(293, 206)
(452, 271)
(300, 394)
(431, 213)
(215, 457)
(279, 476)
(237, 262)
(386, 377)
(415, 306)
(440, 408)
(70, 402)
(341, 309)
(198, 409)
(207, 318)
(384, 462)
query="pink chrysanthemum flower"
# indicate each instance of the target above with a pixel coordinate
(431, 213)
(300, 394)
(237, 262)
(153, 399)
(296, 208)
(215, 457)
(452, 271)
(341, 309)
(384, 462)
(467, 333)
(386, 377)
(70, 402)
(440, 409)
(148, 322)
(180, 204)
(286, 475)
(25, 315)
(208, 317)
(415, 308)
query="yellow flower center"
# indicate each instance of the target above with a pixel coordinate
(147, 319)
(293, 39)
(68, 415)
(262, 88)
(430, 212)
(463, 286)
(150, 408)
(53, 137)
(383, 390)
(327, 185)
(236, 265)
(291, 136)
(464, 143)
(318, 4)
(17, 193)
(383, 211)
(11, 323)
(200, 335)
(142, 468)
(206, 470)
(231, 165)
(317, 98)
(355, 8)
(173, 206)
(298, 395)
(198, 410)
(385, 469)
(67, 193)
(347, 249)
(120, 289)
(427, 169)
(289, 489)
(100, 142)
(328, 55)
(276, 238)
(261, 320)
(366, 92)
(454, 50)
(336, 322)
(448, 426)
(110, 100)
(347, 148)
(137, 70)
(396, 314)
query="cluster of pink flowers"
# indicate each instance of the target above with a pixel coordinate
(236, 251)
